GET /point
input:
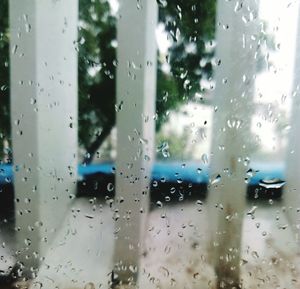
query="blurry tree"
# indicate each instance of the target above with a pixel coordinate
(190, 26)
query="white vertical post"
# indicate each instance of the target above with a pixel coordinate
(291, 195)
(43, 60)
(136, 91)
(236, 46)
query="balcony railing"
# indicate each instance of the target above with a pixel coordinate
(44, 117)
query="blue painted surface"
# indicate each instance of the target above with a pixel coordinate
(171, 172)
(267, 171)
(6, 174)
(106, 168)
(177, 171)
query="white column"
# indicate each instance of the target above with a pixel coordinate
(43, 59)
(136, 90)
(291, 194)
(234, 74)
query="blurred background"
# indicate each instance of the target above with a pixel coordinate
(215, 184)
(185, 83)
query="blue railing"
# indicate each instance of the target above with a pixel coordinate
(172, 172)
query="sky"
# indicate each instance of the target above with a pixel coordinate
(275, 86)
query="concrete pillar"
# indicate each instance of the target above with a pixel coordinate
(136, 90)
(43, 60)
(291, 194)
(235, 68)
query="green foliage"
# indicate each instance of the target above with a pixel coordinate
(190, 24)
(97, 68)
(193, 20)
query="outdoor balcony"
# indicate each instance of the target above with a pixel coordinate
(149, 144)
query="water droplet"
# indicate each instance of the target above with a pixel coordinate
(3, 87)
(159, 204)
(164, 149)
(283, 227)
(198, 202)
(216, 179)
(27, 27)
(234, 123)
(246, 161)
(255, 254)
(118, 107)
(27, 242)
(204, 158)
(221, 147)
(14, 49)
(38, 223)
(162, 3)
(89, 285)
(238, 6)
(252, 210)
(250, 173)
(116, 216)
(110, 187)
(27, 200)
